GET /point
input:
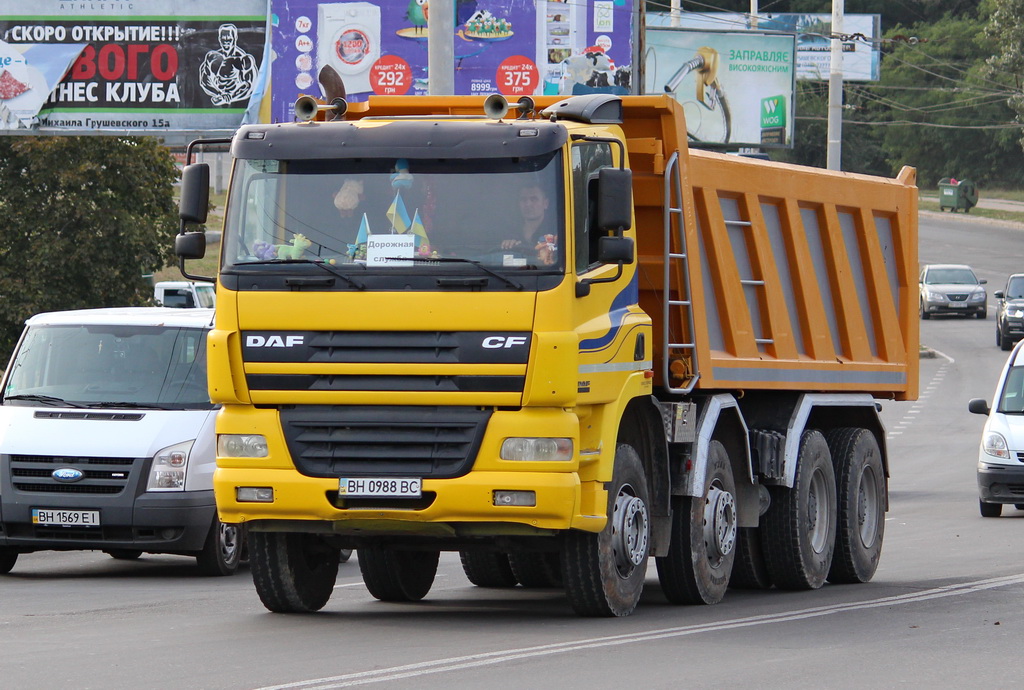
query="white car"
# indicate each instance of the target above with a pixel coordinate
(1001, 455)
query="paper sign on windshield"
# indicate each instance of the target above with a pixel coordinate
(382, 250)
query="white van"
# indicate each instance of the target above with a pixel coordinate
(107, 438)
(1001, 454)
(184, 294)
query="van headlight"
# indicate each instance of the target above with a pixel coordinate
(242, 446)
(995, 445)
(167, 473)
(533, 449)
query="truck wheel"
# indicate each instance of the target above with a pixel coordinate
(860, 491)
(749, 570)
(604, 572)
(703, 549)
(8, 557)
(990, 509)
(536, 570)
(798, 535)
(393, 575)
(487, 569)
(222, 550)
(293, 572)
(124, 554)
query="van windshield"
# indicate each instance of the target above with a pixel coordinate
(110, 366)
(1011, 401)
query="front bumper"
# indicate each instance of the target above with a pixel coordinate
(175, 523)
(947, 307)
(999, 484)
(461, 506)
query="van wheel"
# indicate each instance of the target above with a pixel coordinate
(124, 554)
(537, 570)
(488, 569)
(703, 548)
(799, 529)
(860, 491)
(990, 509)
(604, 572)
(393, 575)
(222, 550)
(293, 572)
(8, 557)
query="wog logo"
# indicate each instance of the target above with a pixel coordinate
(274, 340)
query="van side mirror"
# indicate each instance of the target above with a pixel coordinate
(978, 406)
(190, 245)
(614, 199)
(195, 193)
(615, 250)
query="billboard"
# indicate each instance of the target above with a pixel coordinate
(861, 53)
(736, 88)
(513, 47)
(145, 66)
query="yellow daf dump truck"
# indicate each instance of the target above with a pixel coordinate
(556, 341)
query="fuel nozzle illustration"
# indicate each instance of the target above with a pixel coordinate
(708, 118)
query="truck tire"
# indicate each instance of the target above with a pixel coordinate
(703, 548)
(604, 572)
(798, 535)
(749, 570)
(222, 551)
(860, 493)
(537, 570)
(393, 575)
(8, 557)
(293, 572)
(488, 569)
(990, 509)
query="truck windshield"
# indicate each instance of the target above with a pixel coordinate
(506, 214)
(110, 366)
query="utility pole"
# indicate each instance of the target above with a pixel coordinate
(441, 48)
(834, 149)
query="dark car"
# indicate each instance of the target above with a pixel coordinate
(1010, 312)
(952, 289)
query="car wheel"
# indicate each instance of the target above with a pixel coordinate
(923, 312)
(999, 335)
(983, 314)
(1005, 342)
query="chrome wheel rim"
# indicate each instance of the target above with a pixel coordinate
(630, 531)
(720, 524)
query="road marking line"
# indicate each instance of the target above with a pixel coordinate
(459, 663)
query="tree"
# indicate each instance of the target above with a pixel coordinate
(83, 218)
(1006, 28)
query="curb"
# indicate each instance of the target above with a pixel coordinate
(976, 219)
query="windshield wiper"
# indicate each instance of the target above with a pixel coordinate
(315, 262)
(46, 399)
(126, 405)
(515, 285)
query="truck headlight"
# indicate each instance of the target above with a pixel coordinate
(532, 449)
(167, 473)
(242, 446)
(995, 445)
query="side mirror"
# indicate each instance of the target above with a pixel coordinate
(190, 245)
(615, 250)
(982, 282)
(998, 294)
(978, 406)
(195, 193)
(614, 199)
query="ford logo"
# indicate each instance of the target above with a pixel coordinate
(67, 474)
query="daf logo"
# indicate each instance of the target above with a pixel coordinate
(274, 340)
(498, 342)
(67, 474)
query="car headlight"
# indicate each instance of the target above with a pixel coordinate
(536, 449)
(242, 446)
(167, 473)
(994, 444)
(977, 296)
(930, 295)
(1015, 313)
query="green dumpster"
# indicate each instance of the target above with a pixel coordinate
(957, 194)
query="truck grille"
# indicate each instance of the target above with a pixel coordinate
(353, 441)
(34, 474)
